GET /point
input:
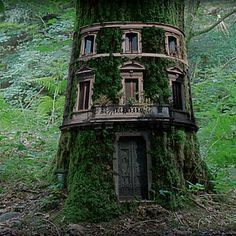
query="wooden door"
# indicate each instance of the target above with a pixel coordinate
(132, 168)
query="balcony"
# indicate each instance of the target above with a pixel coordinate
(127, 113)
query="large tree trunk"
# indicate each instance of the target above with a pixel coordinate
(132, 135)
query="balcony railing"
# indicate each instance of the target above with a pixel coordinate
(128, 113)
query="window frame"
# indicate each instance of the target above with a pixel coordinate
(84, 75)
(139, 41)
(168, 35)
(176, 77)
(83, 40)
(177, 100)
(132, 75)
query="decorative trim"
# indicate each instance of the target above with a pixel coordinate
(131, 65)
(131, 56)
(129, 25)
(84, 70)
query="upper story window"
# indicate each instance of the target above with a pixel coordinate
(172, 45)
(176, 84)
(132, 82)
(84, 89)
(88, 45)
(131, 42)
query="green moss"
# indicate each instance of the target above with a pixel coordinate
(161, 11)
(109, 40)
(153, 40)
(156, 84)
(175, 160)
(91, 195)
(107, 77)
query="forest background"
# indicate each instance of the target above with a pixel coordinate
(35, 47)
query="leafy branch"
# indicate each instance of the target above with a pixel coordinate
(206, 30)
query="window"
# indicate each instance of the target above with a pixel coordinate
(88, 45)
(172, 45)
(131, 42)
(85, 78)
(84, 95)
(177, 95)
(131, 90)
(132, 82)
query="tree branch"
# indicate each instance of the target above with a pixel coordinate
(197, 33)
(228, 62)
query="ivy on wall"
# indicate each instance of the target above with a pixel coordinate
(153, 40)
(107, 78)
(109, 40)
(156, 83)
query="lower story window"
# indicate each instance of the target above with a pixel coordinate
(177, 95)
(84, 95)
(131, 90)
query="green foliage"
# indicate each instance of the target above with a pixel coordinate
(156, 80)
(153, 40)
(108, 79)
(2, 8)
(214, 100)
(34, 61)
(109, 40)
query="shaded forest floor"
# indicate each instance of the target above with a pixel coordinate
(24, 211)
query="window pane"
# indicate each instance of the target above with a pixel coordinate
(177, 95)
(84, 88)
(172, 45)
(131, 89)
(89, 44)
(134, 43)
(131, 42)
(87, 88)
(127, 44)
